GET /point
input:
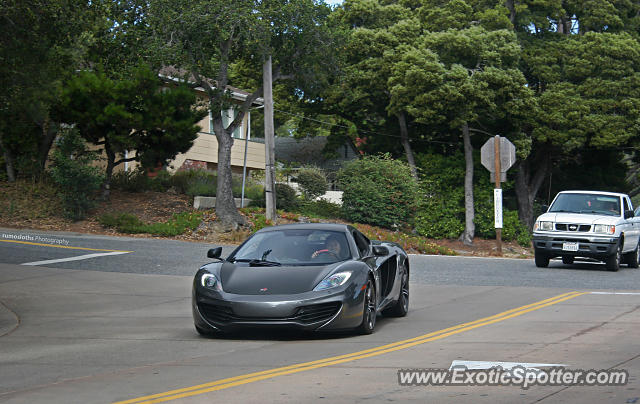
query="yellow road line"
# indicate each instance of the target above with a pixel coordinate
(367, 353)
(61, 246)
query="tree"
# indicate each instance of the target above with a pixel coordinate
(208, 38)
(141, 114)
(40, 44)
(582, 62)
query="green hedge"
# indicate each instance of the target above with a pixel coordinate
(378, 190)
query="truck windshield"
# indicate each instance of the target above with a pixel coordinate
(587, 203)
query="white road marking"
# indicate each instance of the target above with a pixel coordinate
(615, 293)
(76, 258)
(475, 365)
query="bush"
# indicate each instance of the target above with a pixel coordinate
(201, 189)
(321, 209)
(182, 180)
(378, 190)
(286, 198)
(76, 179)
(313, 182)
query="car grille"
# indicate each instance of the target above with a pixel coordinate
(305, 314)
(572, 227)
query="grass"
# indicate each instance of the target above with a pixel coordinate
(128, 223)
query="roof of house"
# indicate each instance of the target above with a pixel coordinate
(178, 74)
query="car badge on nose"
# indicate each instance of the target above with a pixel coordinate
(263, 290)
(573, 227)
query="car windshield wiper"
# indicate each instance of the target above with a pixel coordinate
(264, 263)
(254, 262)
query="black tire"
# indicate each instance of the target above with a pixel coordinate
(369, 310)
(613, 261)
(541, 259)
(633, 258)
(567, 260)
(401, 307)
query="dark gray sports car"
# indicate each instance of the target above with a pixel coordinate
(321, 277)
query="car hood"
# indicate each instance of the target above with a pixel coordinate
(579, 218)
(246, 280)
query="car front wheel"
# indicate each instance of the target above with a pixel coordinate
(369, 310)
(633, 258)
(613, 261)
(542, 259)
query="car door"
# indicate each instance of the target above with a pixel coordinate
(635, 224)
(366, 255)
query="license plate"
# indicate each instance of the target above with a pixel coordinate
(569, 246)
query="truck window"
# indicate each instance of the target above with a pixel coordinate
(586, 203)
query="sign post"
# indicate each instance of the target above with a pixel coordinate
(498, 154)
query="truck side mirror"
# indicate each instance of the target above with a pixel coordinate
(628, 214)
(545, 208)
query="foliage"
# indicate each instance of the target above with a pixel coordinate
(313, 182)
(25, 200)
(286, 198)
(135, 114)
(441, 212)
(378, 190)
(77, 179)
(183, 179)
(128, 223)
(320, 208)
(138, 181)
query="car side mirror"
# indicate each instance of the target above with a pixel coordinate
(545, 208)
(628, 214)
(214, 253)
(380, 251)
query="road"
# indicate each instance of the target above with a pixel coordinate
(108, 319)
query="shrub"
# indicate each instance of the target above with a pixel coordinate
(201, 189)
(313, 182)
(286, 198)
(320, 208)
(182, 180)
(76, 179)
(378, 190)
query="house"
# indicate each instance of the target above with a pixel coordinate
(204, 152)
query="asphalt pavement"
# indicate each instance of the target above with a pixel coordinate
(110, 321)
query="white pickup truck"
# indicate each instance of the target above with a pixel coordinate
(591, 224)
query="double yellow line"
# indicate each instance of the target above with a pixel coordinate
(335, 360)
(60, 246)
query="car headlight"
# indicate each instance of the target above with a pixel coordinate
(332, 281)
(210, 281)
(544, 226)
(604, 228)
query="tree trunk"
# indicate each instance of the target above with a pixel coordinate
(469, 215)
(529, 178)
(509, 4)
(226, 211)
(404, 137)
(49, 133)
(9, 162)
(269, 142)
(111, 159)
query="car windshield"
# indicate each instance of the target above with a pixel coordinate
(293, 247)
(587, 203)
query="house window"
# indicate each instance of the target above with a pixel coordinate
(210, 122)
(227, 117)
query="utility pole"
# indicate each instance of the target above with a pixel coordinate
(269, 142)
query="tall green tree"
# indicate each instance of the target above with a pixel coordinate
(41, 43)
(208, 38)
(581, 59)
(153, 120)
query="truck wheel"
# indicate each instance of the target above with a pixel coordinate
(542, 259)
(567, 260)
(633, 258)
(613, 261)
